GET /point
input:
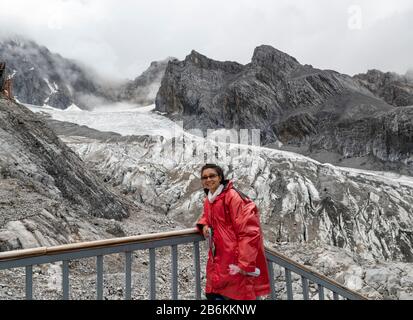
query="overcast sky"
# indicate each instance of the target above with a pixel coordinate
(121, 38)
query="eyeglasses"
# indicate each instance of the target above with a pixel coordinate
(212, 176)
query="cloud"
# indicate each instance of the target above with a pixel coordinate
(120, 39)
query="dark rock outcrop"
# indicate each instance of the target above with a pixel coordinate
(2, 75)
(294, 104)
(395, 89)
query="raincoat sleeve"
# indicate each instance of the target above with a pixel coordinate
(246, 225)
(203, 220)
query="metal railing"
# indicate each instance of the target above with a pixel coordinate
(307, 275)
(66, 253)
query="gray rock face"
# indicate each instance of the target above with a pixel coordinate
(47, 194)
(2, 75)
(395, 89)
(144, 88)
(294, 104)
(41, 77)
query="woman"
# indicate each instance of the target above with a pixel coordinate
(236, 267)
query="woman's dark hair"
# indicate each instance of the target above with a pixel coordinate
(218, 170)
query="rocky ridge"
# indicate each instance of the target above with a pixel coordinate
(395, 89)
(296, 107)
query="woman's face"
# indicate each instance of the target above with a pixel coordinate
(210, 179)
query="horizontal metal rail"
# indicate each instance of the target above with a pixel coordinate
(66, 248)
(65, 253)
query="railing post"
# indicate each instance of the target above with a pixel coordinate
(128, 275)
(65, 279)
(174, 272)
(335, 296)
(99, 278)
(29, 282)
(152, 274)
(271, 275)
(320, 292)
(304, 282)
(289, 284)
(197, 271)
(309, 276)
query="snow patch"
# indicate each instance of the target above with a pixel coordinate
(52, 89)
(73, 108)
(123, 118)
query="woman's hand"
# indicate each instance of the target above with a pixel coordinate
(233, 270)
(205, 231)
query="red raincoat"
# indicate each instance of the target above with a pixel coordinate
(238, 240)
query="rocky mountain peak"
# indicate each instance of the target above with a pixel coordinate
(154, 64)
(160, 63)
(380, 76)
(305, 109)
(199, 60)
(269, 57)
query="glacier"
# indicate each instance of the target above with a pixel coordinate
(365, 215)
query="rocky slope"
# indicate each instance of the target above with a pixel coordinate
(41, 77)
(48, 195)
(395, 89)
(296, 107)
